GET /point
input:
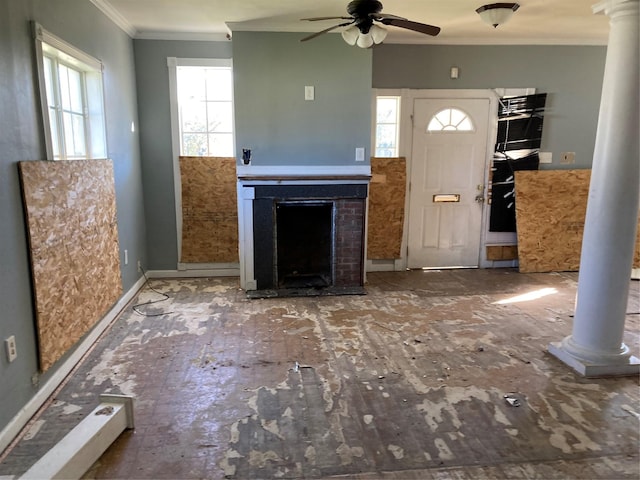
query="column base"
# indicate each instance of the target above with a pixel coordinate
(627, 365)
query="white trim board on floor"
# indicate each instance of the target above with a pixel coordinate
(190, 273)
(21, 419)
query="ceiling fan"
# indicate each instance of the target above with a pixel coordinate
(363, 31)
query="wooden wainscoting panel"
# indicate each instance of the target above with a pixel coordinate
(386, 207)
(209, 210)
(73, 236)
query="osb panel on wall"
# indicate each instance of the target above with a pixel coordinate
(550, 213)
(502, 252)
(209, 210)
(71, 218)
(386, 207)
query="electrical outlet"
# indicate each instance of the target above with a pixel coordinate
(10, 347)
(139, 266)
(568, 157)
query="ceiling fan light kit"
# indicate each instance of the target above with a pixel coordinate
(497, 13)
(362, 31)
(353, 36)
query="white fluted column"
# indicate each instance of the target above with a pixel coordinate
(595, 347)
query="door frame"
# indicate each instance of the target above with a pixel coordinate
(405, 145)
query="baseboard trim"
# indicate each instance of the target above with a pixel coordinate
(20, 420)
(209, 272)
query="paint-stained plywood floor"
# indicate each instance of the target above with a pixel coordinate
(407, 381)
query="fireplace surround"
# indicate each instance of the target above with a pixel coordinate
(302, 230)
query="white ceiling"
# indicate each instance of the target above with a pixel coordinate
(568, 22)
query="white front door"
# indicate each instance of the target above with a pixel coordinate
(448, 159)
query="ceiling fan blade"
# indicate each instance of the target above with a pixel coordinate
(380, 16)
(315, 19)
(409, 25)
(317, 34)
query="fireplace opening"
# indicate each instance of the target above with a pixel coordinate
(304, 244)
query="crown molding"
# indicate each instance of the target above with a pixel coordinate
(185, 36)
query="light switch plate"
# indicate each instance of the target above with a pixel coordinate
(309, 92)
(360, 154)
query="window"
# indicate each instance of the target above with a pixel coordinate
(450, 119)
(387, 126)
(72, 100)
(205, 105)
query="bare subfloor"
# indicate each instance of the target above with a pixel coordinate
(407, 381)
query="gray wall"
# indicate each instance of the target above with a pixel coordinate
(21, 138)
(272, 117)
(570, 75)
(152, 77)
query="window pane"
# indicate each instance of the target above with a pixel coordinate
(444, 117)
(194, 116)
(465, 125)
(75, 90)
(220, 117)
(386, 136)
(434, 125)
(191, 84)
(219, 82)
(194, 144)
(79, 147)
(220, 144)
(53, 123)
(387, 110)
(63, 74)
(48, 80)
(73, 135)
(457, 116)
(385, 152)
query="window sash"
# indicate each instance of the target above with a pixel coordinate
(387, 128)
(71, 97)
(205, 109)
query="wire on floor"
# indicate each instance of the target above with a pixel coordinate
(136, 308)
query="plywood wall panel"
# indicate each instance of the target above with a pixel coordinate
(550, 213)
(209, 210)
(386, 207)
(73, 237)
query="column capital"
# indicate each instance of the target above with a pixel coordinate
(616, 7)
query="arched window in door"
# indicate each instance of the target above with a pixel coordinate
(450, 120)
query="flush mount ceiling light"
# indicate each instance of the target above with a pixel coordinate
(497, 13)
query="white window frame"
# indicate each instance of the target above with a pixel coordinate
(91, 70)
(398, 99)
(172, 64)
(215, 64)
